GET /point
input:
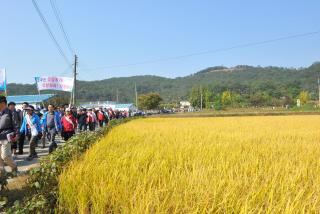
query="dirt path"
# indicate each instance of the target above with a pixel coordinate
(16, 185)
(24, 165)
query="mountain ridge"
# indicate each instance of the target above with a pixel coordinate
(217, 78)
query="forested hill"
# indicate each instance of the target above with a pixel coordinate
(242, 79)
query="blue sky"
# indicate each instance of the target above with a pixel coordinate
(108, 33)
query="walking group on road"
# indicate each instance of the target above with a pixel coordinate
(43, 125)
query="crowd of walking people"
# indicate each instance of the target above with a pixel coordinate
(39, 126)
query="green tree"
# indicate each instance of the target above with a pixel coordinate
(304, 97)
(150, 101)
(194, 97)
(207, 97)
(238, 100)
(217, 102)
(226, 98)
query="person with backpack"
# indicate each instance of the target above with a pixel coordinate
(69, 124)
(91, 120)
(8, 131)
(101, 117)
(51, 123)
(31, 127)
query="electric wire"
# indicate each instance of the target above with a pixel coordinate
(44, 21)
(245, 45)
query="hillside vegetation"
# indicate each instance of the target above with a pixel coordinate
(275, 82)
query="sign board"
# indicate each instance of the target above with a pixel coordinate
(54, 83)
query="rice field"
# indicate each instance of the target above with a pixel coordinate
(199, 165)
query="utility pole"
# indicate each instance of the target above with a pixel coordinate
(136, 93)
(201, 98)
(117, 96)
(74, 80)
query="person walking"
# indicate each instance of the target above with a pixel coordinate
(22, 137)
(61, 113)
(91, 120)
(101, 117)
(106, 115)
(51, 123)
(31, 127)
(82, 120)
(18, 121)
(111, 114)
(8, 131)
(69, 124)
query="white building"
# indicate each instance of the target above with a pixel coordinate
(186, 106)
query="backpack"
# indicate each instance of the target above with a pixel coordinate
(101, 116)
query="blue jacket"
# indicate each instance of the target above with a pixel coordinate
(57, 121)
(35, 121)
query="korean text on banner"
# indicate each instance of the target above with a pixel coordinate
(54, 83)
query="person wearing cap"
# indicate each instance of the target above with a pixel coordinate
(22, 137)
(8, 131)
(69, 124)
(18, 120)
(51, 124)
(31, 127)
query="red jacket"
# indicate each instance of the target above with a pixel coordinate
(68, 126)
(101, 116)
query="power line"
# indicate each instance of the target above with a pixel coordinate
(66, 71)
(44, 21)
(58, 17)
(251, 44)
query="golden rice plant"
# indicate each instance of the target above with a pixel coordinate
(199, 165)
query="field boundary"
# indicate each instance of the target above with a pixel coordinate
(235, 114)
(42, 184)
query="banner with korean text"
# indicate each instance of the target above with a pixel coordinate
(54, 83)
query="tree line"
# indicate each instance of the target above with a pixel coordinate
(207, 97)
(246, 85)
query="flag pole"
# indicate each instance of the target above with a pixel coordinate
(5, 82)
(39, 97)
(39, 91)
